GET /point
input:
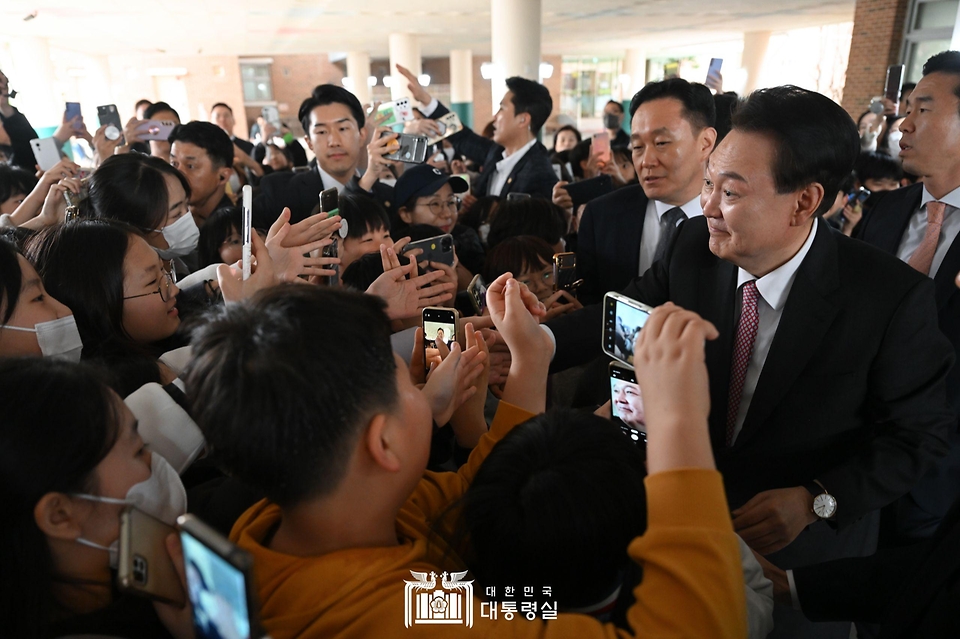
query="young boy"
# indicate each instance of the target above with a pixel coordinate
(299, 393)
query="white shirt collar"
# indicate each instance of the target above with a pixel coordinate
(508, 162)
(952, 198)
(774, 287)
(329, 181)
(690, 209)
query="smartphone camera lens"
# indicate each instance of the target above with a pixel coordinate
(446, 245)
(140, 570)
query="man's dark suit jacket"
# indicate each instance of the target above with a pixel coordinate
(301, 192)
(852, 391)
(912, 591)
(884, 228)
(608, 242)
(533, 174)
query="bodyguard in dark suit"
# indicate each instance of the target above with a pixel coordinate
(828, 379)
(334, 123)
(905, 224)
(621, 234)
(513, 161)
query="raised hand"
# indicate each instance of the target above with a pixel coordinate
(262, 274)
(418, 92)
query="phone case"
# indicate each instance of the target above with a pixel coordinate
(46, 151)
(435, 249)
(613, 342)
(156, 129)
(145, 567)
(449, 124)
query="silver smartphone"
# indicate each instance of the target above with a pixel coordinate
(623, 318)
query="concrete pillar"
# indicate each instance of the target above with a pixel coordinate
(461, 84)
(754, 51)
(358, 69)
(634, 76)
(33, 76)
(405, 50)
(514, 42)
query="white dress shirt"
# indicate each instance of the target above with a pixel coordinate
(918, 226)
(774, 289)
(651, 228)
(330, 182)
(504, 167)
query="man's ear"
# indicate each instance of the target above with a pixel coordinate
(306, 140)
(56, 516)
(708, 140)
(808, 201)
(380, 440)
(224, 173)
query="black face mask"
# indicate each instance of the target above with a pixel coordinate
(611, 121)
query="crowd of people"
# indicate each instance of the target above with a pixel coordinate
(782, 459)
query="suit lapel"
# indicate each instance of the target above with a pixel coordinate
(717, 290)
(944, 281)
(629, 230)
(807, 315)
(512, 178)
(888, 229)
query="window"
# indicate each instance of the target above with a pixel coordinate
(929, 29)
(257, 82)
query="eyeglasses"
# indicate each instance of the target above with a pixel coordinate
(437, 207)
(163, 288)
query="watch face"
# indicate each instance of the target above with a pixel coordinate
(824, 506)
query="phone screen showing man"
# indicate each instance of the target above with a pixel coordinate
(217, 590)
(626, 405)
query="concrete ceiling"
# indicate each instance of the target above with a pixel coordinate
(248, 28)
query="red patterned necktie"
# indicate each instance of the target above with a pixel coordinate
(742, 351)
(922, 258)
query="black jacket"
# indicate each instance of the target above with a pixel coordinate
(533, 174)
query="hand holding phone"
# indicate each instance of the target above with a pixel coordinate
(626, 403)
(586, 190)
(565, 273)
(434, 249)
(411, 149)
(145, 567)
(330, 205)
(622, 320)
(73, 111)
(439, 326)
(893, 86)
(600, 147)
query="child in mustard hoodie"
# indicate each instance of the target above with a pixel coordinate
(299, 394)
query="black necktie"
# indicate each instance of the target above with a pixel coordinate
(668, 228)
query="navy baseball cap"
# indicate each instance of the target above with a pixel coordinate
(423, 180)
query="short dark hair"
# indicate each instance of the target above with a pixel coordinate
(614, 103)
(563, 484)
(530, 97)
(325, 94)
(11, 279)
(699, 108)
(566, 127)
(141, 102)
(877, 166)
(815, 140)
(209, 137)
(265, 389)
(156, 108)
(945, 62)
(516, 255)
(725, 104)
(363, 214)
(529, 216)
(579, 153)
(215, 231)
(362, 272)
(221, 104)
(132, 188)
(14, 180)
(907, 87)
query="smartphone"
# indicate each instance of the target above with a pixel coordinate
(478, 294)
(220, 583)
(858, 197)
(156, 129)
(439, 324)
(330, 205)
(145, 566)
(449, 124)
(893, 86)
(585, 190)
(600, 147)
(411, 149)
(435, 249)
(622, 320)
(513, 197)
(46, 151)
(73, 111)
(397, 112)
(626, 403)
(110, 117)
(271, 115)
(565, 273)
(714, 68)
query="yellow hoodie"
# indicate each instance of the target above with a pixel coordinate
(692, 584)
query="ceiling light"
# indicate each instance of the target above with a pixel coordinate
(388, 81)
(424, 80)
(347, 81)
(371, 81)
(546, 70)
(487, 70)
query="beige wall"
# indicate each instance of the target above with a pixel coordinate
(294, 77)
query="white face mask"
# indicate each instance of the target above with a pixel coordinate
(234, 181)
(181, 236)
(58, 338)
(161, 496)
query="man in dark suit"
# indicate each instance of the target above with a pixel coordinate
(222, 115)
(622, 233)
(903, 224)
(828, 379)
(513, 161)
(335, 127)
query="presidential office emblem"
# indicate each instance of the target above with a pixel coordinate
(427, 603)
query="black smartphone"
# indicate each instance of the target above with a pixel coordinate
(145, 567)
(893, 85)
(439, 325)
(586, 190)
(435, 249)
(626, 403)
(478, 294)
(513, 197)
(622, 320)
(220, 583)
(110, 117)
(565, 273)
(412, 149)
(329, 205)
